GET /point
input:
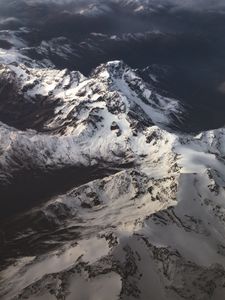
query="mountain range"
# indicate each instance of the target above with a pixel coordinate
(110, 188)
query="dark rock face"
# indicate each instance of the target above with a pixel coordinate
(19, 111)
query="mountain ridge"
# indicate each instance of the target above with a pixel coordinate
(145, 201)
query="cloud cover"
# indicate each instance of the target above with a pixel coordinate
(190, 4)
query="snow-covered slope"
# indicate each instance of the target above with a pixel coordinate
(104, 120)
(149, 225)
(112, 89)
(154, 229)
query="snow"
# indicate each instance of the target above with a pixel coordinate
(30, 270)
(106, 286)
(150, 284)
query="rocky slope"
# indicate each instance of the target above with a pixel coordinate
(143, 217)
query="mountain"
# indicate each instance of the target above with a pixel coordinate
(63, 120)
(103, 194)
(112, 150)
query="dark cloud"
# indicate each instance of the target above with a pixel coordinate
(197, 4)
(184, 4)
(36, 12)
